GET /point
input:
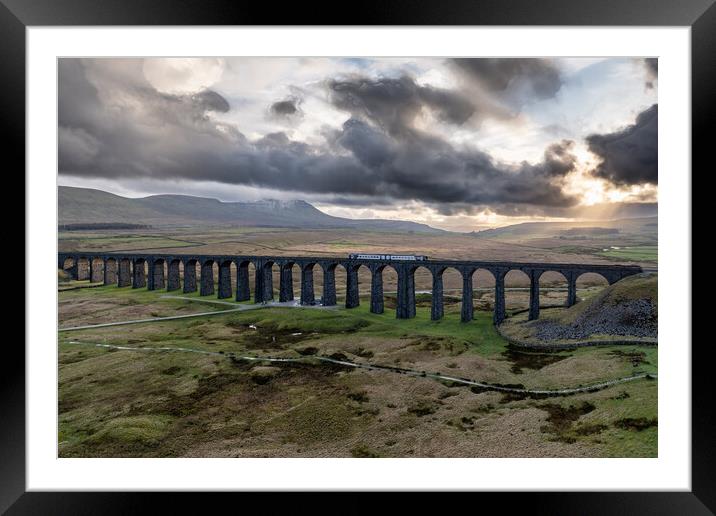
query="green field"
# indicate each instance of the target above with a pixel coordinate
(127, 403)
(644, 253)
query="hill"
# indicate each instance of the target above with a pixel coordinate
(89, 206)
(646, 225)
(628, 308)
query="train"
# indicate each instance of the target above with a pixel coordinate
(401, 257)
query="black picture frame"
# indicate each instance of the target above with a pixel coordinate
(17, 15)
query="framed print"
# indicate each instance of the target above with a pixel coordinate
(415, 250)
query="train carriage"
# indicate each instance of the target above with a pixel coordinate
(396, 257)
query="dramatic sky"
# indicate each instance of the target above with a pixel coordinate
(457, 143)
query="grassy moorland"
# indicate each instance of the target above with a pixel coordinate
(642, 253)
(542, 243)
(182, 391)
(177, 401)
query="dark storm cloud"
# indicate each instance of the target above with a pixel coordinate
(433, 171)
(114, 124)
(358, 201)
(629, 156)
(651, 64)
(415, 165)
(540, 77)
(368, 145)
(394, 104)
(286, 108)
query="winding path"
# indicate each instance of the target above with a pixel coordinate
(239, 308)
(398, 370)
(344, 362)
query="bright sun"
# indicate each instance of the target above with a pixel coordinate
(593, 192)
(596, 191)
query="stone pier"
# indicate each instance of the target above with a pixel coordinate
(352, 297)
(405, 307)
(436, 303)
(499, 314)
(173, 276)
(156, 275)
(571, 288)
(307, 295)
(376, 290)
(243, 290)
(189, 276)
(268, 282)
(534, 294)
(124, 273)
(328, 296)
(466, 312)
(285, 286)
(259, 284)
(224, 280)
(207, 278)
(139, 276)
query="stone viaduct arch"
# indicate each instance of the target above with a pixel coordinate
(555, 279)
(377, 297)
(124, 272)
(82, 267)
(156, 272)
(588, 279)
(71, 269)
(96, 269)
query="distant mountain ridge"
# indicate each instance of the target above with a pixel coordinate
(550, 229)
(86, 205)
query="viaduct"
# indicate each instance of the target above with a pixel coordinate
(148, 270)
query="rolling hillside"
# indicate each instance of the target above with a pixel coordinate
(88, 206)
(646, 225)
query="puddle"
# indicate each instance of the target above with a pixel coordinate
(527, 360)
